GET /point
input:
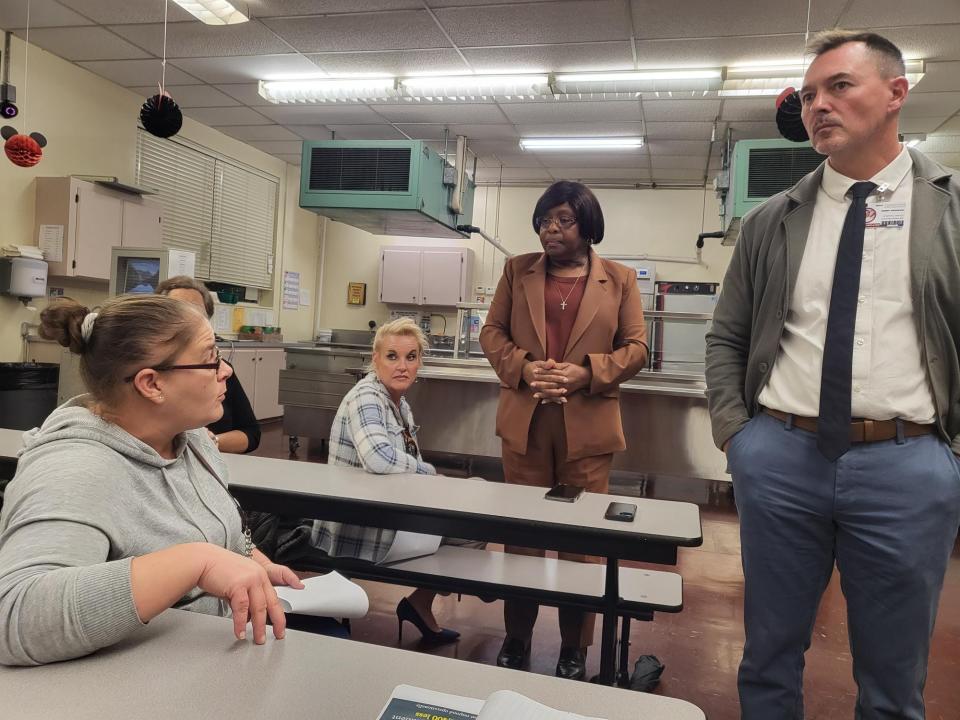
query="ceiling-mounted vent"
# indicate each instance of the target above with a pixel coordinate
(773, 170)
(375, 169)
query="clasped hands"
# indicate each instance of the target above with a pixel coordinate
(553, 382)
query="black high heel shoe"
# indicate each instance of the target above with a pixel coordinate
(406, 611)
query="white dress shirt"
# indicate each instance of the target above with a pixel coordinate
(889, 377)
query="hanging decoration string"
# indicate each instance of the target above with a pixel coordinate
(160, 115)
(163, 63)
(26, 63)
(789, 106)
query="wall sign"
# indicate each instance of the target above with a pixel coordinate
(356, 293)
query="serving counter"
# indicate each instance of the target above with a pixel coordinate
(665, 418)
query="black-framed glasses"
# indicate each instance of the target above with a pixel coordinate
(215, 365)
(564, 221)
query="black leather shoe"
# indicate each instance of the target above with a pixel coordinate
(572, 664)
(515, 654)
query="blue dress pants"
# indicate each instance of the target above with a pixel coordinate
(886, 513)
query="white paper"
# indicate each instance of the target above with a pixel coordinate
(51, 242)
(222, 320)
(181, 262)
(508, 704)
(304, 298)
(291, 290)
(408, 545)
(330, 595)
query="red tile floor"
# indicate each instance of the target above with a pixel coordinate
(700, 646)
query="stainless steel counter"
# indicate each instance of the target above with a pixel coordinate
(665, 418)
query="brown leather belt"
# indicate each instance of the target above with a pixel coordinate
(860, 430)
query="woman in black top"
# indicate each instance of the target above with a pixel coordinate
(237, 431)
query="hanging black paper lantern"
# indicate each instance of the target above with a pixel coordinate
(161, 116)
(788, 116)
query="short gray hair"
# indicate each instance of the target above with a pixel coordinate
(889, 58)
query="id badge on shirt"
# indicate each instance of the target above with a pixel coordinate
(886, 215)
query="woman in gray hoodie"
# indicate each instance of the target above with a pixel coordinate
(119, 508)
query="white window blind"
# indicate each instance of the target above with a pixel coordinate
(222, 212)
(243, 229)
(184, 181)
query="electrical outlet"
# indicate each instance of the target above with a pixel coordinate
(490, 290)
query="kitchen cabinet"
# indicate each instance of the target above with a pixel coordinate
(424, 276)
(90, 219)
(258, 370)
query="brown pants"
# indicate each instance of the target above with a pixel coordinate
(545, 464)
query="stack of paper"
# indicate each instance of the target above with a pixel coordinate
(330, 595)
(27, 251)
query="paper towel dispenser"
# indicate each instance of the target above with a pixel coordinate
(23, 278)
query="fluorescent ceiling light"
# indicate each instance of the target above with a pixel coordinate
(782, 76)
(705, 74)
(327, 90)
(753, 92)
(581, 143)
(461, 86)
(697, 79)
(213, 12)
(913, 139)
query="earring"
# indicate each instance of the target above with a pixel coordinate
(160, 396)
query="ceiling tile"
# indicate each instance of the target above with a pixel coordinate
(366, 132)
(931, 104)
(891, 13)
(43, 13)
(509, 174)
(440, 112)
(405, 29)
(941, 143)
(761, 109)
(311, 132)
(535, 23)
(396, 62)
(245, 93)
(679, 130)
(247, 68)
(258, 132)
(574, 129)
(752, 130)
(923, 124)
(84, 43)
(951, 127)
(197, 39)
(668, 110)
(321, 114)
(572, 111)
(705, 18)
(931, 42)
(678, 147)
(109, 12)
(612, 158)
(277, 147)
(188, 96)
(134, 73)
(664, 175)
(682, 162)
(475, 131)
(615, 55)
(422, 131)
(714, 52)
(291, 159)
(226, 116)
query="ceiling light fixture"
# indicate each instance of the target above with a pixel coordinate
(213, 12)
(912, 139)
(748, 80)
(702, 79)
(472, 86)
(581, 143)
(328, 90)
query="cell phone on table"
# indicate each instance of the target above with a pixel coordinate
(564, 493)
(624, 512)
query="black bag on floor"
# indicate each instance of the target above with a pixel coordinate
(646, 673)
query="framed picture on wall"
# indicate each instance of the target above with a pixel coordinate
(356, 293)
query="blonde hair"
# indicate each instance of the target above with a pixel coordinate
(402, 327)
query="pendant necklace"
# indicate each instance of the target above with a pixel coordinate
(563, 300)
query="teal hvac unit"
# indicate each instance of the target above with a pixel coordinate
(759, 169)
(386, 187)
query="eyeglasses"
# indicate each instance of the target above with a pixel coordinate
(215, 365)
(564, 221)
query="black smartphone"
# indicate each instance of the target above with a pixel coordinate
(624, 512)
(564, 493)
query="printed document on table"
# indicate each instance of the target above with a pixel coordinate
(414, 703)
(407, 545)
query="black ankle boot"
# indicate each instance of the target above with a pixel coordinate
(515, 654)
(572, 664)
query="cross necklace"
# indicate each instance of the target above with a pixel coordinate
(563, 300)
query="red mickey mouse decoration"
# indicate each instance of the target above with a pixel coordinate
(23, 150)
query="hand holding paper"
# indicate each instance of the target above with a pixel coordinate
(330, 595)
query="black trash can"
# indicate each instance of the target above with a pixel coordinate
(28, 393)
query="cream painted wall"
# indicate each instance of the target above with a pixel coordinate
(91, 125)
(653, 222)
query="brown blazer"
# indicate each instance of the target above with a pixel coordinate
(609, 334)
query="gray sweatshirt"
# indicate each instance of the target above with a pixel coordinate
(87, 498)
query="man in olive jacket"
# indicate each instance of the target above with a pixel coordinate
(834, 388)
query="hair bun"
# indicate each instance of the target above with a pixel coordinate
(62, 321)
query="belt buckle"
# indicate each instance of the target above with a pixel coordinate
(869, 428)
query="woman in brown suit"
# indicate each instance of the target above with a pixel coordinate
(565, 328)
